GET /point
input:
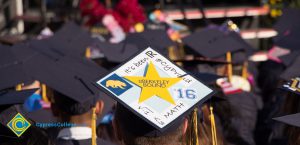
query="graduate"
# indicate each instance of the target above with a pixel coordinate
(74, 99)
(290, 111)
(213, 43)
(150, 109)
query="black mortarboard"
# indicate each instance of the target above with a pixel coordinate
(11, 97)
(150, 38)
(289, 40)
(207, 78)
(292, 119)
(72, 38)
(69, 77)
(287, 22)
(213, 43)
(11, 69)
(288, 29)
(210, 79)
(118, 52)
(200, 60)
(293, 70)
(247, 47)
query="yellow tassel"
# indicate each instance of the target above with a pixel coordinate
(244, 70)
(88, 52)
(192, 137)
(213, 127)
(19, 87)
(229, 66)
(93, 126)
(44, 93)
(294, 85)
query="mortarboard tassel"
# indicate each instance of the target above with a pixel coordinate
(294, 84)
(192, 136)
(88, 52)
(244, 70)
(213, 127)
(229, 66)
(93, 126)
(44, 93)
(19, 87)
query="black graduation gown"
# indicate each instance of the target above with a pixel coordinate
(82, 142)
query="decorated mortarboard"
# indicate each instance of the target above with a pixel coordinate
(293, 70)
(11, 69)
(155, 89)
(212, 43)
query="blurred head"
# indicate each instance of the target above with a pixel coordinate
(132, 130)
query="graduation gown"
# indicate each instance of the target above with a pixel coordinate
(78, 136)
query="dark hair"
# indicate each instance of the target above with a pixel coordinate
(131, 130)
(69, 106)
(269, 78)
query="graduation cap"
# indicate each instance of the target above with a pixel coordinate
(293, 70)
(11, 69)
(210, 79)
(213, 43)
(69, 76)
(147, 89)
(207, 78)
(200, 60)
(117, 52)
(287, 22)
(157, 39)
(292, 86)
(289, 40)
(9, 98)
(288, 29)
(292, 119)
(72, 38)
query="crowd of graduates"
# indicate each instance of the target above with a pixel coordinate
(51, 79)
